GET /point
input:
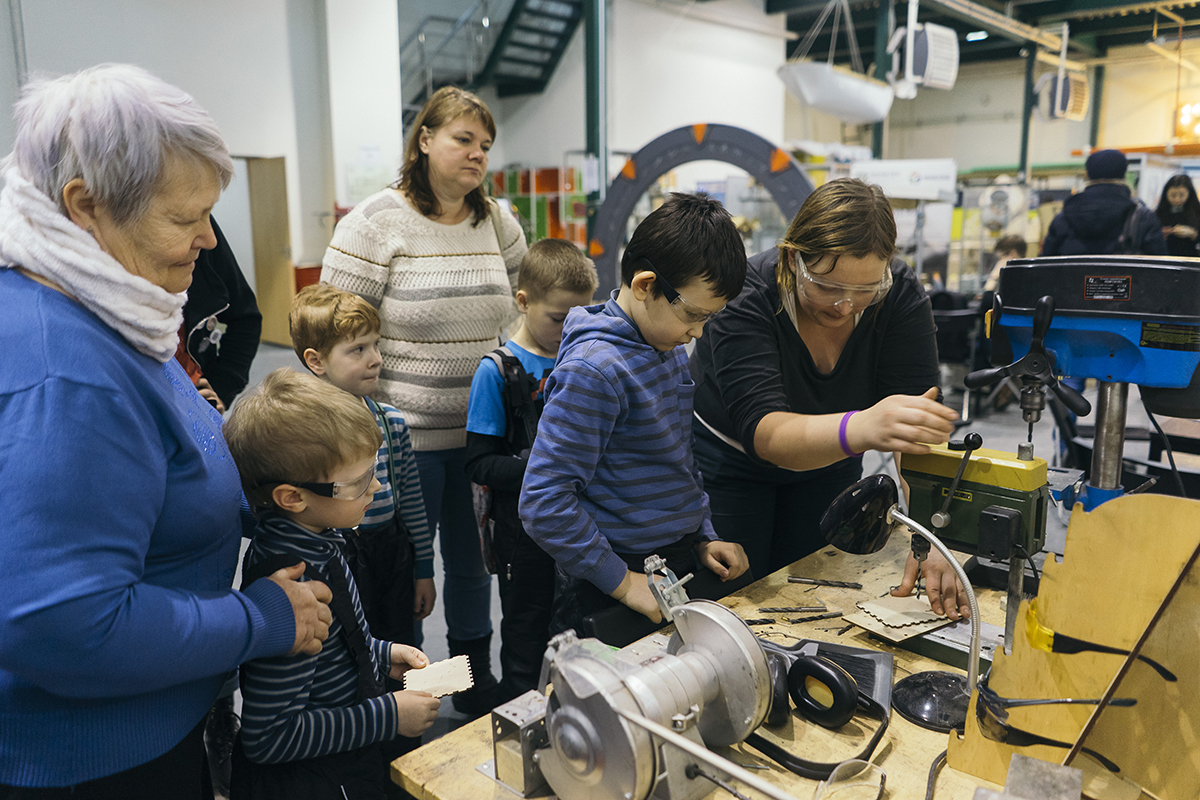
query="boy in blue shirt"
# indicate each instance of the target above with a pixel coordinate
(502, 417)
(314, 726)
(611, 477)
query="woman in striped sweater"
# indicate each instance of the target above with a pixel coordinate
(439, 261)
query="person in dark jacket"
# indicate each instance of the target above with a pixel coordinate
(221, 325)
(1179, 212)
(1104, 219)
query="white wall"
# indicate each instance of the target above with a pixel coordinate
(364, 78)
(235, 57)
(978, 122)
(665, 71)
(1139, 95)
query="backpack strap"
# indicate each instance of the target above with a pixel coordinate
(341, 605)
(1128, 242)
(519, 395)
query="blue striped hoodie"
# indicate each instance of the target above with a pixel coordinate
(612, 468)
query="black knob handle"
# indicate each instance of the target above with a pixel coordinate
(971, 442)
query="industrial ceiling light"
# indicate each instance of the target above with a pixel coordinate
(1069, 93)
(930, 56)
(977, 36)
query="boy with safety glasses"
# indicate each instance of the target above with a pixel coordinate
(611, 478)
(311, 725)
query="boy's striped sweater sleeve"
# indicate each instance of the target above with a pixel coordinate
(582, 408)
(409, 501)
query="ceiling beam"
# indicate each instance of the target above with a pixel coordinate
(995, 22)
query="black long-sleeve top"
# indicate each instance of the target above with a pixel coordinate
(751, 360)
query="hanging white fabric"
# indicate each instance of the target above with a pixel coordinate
(847, 94)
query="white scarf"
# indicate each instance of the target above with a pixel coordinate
(36, 235)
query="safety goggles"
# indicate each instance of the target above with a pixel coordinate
(338, 490)
(991, 710)
(832, 294)
(1051, 641)
(687, 312)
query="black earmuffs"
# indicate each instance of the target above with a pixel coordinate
(822, 691)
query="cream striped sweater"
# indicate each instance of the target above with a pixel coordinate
(444, 293)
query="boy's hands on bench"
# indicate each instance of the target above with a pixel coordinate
(416, 711)
(727, 559)
(634, 592)
(310, 606)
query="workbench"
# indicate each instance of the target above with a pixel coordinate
(447, 768)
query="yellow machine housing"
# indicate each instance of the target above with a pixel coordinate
(994, 480)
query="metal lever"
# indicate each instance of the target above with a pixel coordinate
(1037, 364)
(971, 443)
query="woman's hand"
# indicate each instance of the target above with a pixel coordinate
(947, 597)
(635, 593)
(424, 598)
(901, 424)
(1185, 231)
(727, 559)
(404, 657)
(206, 391)
(310, 605)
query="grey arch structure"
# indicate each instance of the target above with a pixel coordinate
(773, 167)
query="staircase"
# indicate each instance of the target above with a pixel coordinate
(467, 51)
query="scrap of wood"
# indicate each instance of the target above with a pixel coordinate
(441, 678)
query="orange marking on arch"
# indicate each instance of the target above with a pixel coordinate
(779, 160)
(629, 170)
(595, 249)
(700, 130)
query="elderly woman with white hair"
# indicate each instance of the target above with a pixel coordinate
(118, 625)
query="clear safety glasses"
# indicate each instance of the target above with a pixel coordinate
(687, 312)
(991, 711)
(832, 294)
(338, 490)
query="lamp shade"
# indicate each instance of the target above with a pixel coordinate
(857, 519)
(842, 93)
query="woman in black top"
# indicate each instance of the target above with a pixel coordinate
(820, 358)
(1179, 212)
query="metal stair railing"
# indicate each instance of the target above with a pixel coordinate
(444, 50)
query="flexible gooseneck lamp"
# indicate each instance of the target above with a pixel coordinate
(860, 521)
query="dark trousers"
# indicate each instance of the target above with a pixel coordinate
(526, 581)
(181, 772)
(773, 513)
(575, 599)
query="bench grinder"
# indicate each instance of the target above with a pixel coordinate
(592, 739)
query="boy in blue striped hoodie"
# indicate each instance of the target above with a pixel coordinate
(316, 726)
(611, 478)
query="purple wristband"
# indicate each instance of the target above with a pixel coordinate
(842, 435)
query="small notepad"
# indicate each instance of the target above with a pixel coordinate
(441, 678)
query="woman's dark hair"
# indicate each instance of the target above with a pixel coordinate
(1191, 206)
(446, 105)
(689, 236)
(842, 217)
(1011, 244)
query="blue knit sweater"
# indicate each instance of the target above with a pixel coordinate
(120, 538)
(612, 467)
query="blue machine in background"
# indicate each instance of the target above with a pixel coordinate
(1118, 319)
